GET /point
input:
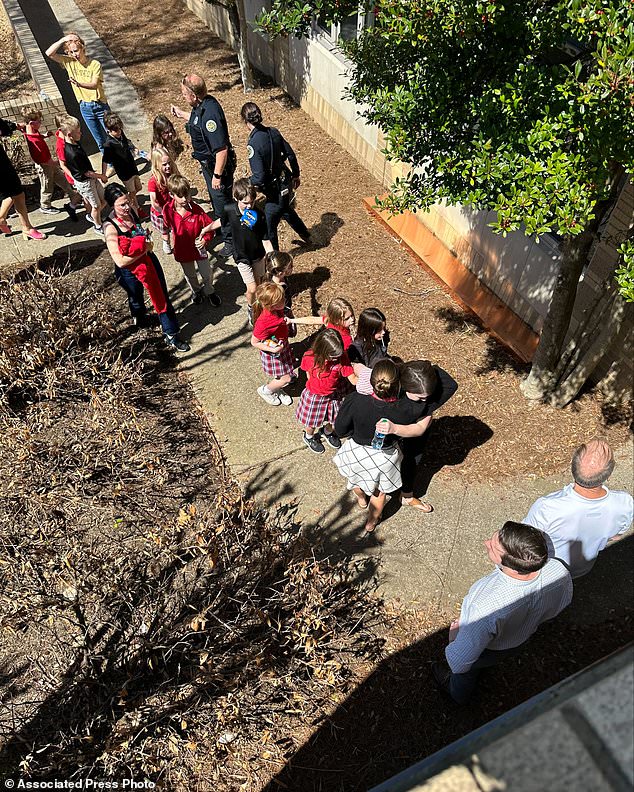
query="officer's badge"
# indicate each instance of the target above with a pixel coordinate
(211, 125)
(250, 151)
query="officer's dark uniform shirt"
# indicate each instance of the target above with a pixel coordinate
(264, 142)
(207, 127)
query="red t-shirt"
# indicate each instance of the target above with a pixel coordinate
(343, 332)
(162, 193)
(59, 150)
(323, 381)
(186, 229)
(270, 323)
(38, 148)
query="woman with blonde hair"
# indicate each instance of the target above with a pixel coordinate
(86, 78)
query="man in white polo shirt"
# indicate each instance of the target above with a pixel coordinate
(580, 519)
(502, 610)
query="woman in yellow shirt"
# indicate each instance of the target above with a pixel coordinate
(86, 76)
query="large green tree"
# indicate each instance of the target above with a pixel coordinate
(521, 106)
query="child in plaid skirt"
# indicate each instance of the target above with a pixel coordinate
(327, 365)
(270, 336)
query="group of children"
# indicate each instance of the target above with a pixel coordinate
(72, 170)
(335, 363)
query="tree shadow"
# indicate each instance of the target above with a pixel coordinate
(501, 359)
(397, 717)
(496, 357)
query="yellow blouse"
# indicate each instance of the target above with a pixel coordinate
(91, 72)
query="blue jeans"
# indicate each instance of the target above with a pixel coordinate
(93, 114)
(134, 289)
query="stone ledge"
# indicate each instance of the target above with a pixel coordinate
(33, 56)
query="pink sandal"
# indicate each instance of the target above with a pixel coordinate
(5, 228)
(33, 234)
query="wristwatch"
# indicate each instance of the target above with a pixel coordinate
(217, 175)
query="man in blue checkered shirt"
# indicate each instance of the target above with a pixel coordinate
(502, 610)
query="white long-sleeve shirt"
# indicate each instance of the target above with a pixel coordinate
(501, 612)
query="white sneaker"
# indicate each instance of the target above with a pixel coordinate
(285, 399)
(270, 398)
(167, 248)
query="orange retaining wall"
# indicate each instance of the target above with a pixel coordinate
(462, 285)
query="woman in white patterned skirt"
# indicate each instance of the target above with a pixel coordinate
(372, 473)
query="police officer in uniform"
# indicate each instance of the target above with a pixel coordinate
(207, 127)
(275, 172)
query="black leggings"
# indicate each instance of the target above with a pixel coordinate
(413, 450)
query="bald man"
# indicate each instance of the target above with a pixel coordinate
(583, 517)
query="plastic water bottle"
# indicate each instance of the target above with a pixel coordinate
(379, 437)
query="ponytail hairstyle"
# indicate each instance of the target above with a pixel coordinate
(266, 296)
(336, 311)
(157, 161)
(371, 322)
(327, 346)
(174, 145)
(419, 377)
(385, 380)
(251, 114)
(276, 263)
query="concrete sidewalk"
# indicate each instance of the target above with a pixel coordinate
(418, 558)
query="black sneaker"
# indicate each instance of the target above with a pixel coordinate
(141, 321)
(226, 251)
(215, 299)
(197, 298)
(332, 440)
(314, 443)
(176, 344)
(72, 212)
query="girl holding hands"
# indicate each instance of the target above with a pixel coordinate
(326, 365)
(270, 337)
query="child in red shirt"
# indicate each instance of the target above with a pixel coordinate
(48, 170)
(163, 167)
(189, 229)
(270, 336)
(327, 366)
